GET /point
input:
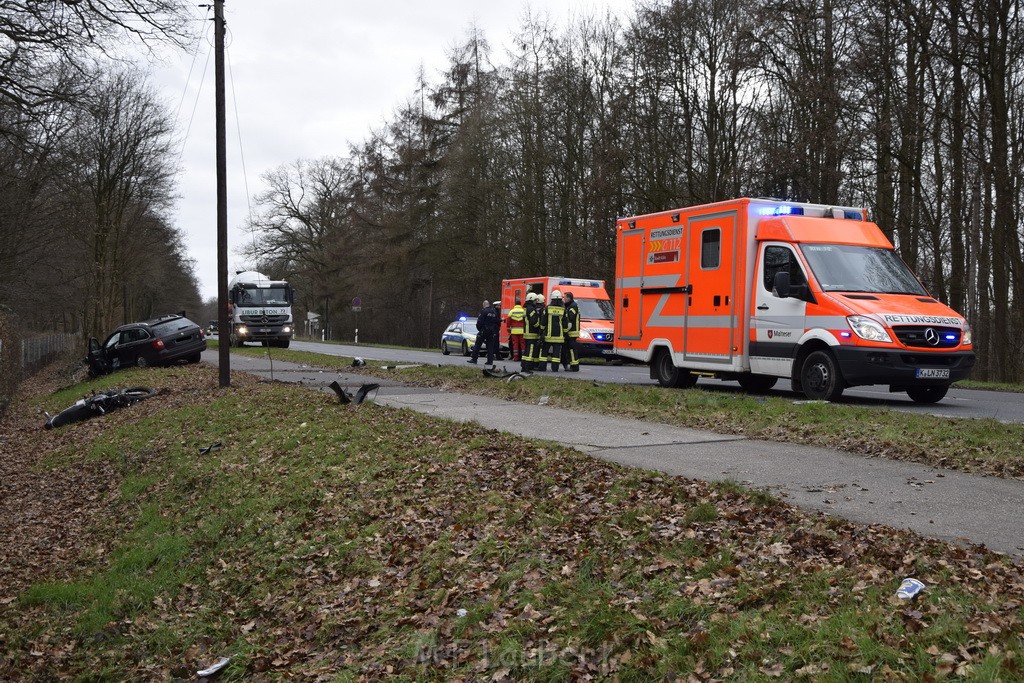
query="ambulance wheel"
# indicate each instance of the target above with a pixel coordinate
(820, 377)
(927, 394)
(669, 375)
(757, 384)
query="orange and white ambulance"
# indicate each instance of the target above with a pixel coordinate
(754, 289)
(596, 313)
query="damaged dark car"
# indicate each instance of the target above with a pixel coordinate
(161, 341)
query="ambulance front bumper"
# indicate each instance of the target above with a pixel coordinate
(901, 368)
(589, 349)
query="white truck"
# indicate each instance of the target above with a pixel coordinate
(261, 310)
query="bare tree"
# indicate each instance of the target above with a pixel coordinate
(48, 46)
(117, 175)
(303, 225)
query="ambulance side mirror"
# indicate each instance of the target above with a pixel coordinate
(780, 287)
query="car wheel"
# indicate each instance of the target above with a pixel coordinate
(465, 348)
(142, 362)
(444, 347)
(820, 377)
(669, 375)
(195, 357)
(927, 394)
(757, 384)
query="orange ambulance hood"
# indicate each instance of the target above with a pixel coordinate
(900, 309)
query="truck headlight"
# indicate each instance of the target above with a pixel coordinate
(585, 335)
(868, 329)
(968, 338)
(287, 329)
(242, 330)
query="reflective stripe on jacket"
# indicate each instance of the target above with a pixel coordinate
(555, 328)
(516, 320)
(534, 321)
(572, 320)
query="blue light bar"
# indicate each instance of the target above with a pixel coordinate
(463, 319)
(782, 210)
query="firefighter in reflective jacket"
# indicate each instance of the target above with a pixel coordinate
(554, 332)
(516, 323)
(533, 332)
(570, 360)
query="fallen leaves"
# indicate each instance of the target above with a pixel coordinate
(387, 545)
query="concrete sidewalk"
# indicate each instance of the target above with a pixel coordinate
(944, 504)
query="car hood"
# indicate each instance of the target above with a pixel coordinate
(900, 309)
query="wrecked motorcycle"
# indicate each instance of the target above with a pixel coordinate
(99, 403)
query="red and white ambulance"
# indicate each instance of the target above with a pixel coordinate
(754, 289)
(596, 312)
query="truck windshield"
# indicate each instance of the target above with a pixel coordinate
(850, 268)
(595, 309)
(271, 296)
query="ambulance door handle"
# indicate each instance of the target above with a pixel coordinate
(763, 307)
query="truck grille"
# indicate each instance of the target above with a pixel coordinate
(928, 336)
(264, 319)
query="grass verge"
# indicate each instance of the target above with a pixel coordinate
(983, 446)
(340, 543)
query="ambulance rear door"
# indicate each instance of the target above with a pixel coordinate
(632, 256)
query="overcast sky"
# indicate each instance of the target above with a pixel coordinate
(309, 77)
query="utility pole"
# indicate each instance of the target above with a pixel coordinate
(223, 324)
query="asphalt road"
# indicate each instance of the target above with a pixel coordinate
(964, 403)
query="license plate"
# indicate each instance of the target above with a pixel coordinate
(933, 373)
(264, 330)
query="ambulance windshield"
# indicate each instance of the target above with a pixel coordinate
(851, 268)
(595, 309)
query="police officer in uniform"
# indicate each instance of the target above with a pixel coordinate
(570, 361)
(487, 325)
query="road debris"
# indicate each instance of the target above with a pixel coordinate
(358, 397)
(214, 668)
(909, 589)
